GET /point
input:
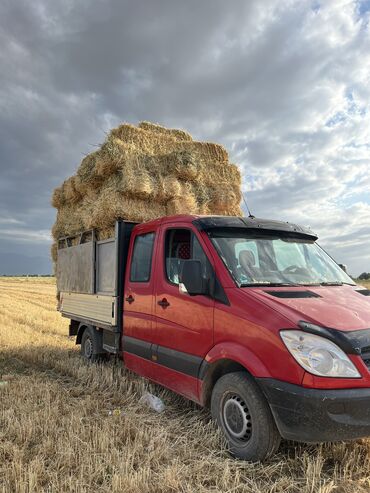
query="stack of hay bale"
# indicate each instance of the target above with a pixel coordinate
(141, 173)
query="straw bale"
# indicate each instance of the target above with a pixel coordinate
(183, 164)
(234, 210)
(105, 165)
(147, 142)
(158, 143)
(143, 186)
(144, 172)
(87, 174)
(169, 187)
(112, 205)
(213, 173)
(57, 198)
(171, 132)
(54, 252)
(71, 190)
(134, 183)
(106, 233)
(185, 204)
(68, 222)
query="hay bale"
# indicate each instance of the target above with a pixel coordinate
(170, 132)
(113, 205)
(105, 165)
(169, 187)
(72, 193)
(184, 204)
(184, 165)
(87, 173)
(54, 252)
(68, 222)
(57, 198)
(155, 143)
(141, 173)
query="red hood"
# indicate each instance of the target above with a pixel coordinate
(339, 307)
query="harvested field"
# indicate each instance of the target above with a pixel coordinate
(364, 283)
(56, 434)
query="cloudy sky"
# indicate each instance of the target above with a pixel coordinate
(283, 84)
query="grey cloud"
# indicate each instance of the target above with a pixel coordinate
(261, 78)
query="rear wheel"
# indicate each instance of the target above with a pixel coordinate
(242, 412)
(91, 345)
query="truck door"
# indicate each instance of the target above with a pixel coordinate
(184, 323)
(138, 310)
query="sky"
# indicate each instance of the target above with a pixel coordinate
(284, 85)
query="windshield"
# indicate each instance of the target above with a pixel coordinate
(276, 261)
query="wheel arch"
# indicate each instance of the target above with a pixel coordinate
(228, 358)
(81, 329)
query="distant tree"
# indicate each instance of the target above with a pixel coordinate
(365, 276)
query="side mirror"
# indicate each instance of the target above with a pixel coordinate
(191, 278)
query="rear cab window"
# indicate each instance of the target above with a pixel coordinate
(141, 262)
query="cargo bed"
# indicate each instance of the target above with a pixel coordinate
(90, 291)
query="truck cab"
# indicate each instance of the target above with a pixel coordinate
(248, 316)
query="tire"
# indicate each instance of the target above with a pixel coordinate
(243, 414)
(91, 345)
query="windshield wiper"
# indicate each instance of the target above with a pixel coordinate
(331, 283)
(274, 284)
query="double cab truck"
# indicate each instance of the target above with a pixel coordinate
(247, 316)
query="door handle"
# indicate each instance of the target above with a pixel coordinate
(163, 303)
(130, 299)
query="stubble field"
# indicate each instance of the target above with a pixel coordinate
(57, 432)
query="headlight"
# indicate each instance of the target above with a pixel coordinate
(318, 355)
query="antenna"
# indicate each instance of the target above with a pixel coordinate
(246, 205)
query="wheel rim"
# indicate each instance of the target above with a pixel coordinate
(236, 418)
(88, 348)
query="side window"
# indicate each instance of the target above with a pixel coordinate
(182, 245)
(142, 258)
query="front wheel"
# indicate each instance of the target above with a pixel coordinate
(241, 411)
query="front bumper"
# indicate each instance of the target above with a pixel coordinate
(313, 415)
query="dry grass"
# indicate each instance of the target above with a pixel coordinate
(56, 434)
(366, 284)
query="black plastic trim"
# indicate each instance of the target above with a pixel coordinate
(203, 369)
(318, 415)
(293, 294)
(186, 363)
(257, 225)
(351, 342)
(137, 346)
(179, 361)
(364, 292)
(73, 327)
(123, 235)
(217, 291)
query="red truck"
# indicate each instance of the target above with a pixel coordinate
(248, 316)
